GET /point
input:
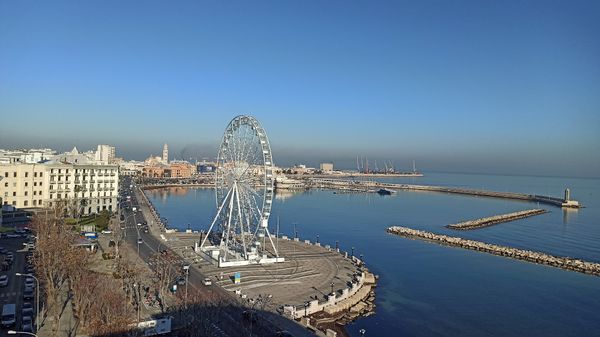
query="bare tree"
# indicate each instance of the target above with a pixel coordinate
(166, 268)
(54, 250)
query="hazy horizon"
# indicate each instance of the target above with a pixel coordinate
(500, 88)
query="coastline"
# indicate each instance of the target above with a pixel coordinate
(347, 305)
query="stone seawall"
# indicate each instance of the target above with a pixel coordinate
(567, 263)
(493, 220)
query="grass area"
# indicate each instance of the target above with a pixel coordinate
(6, 229)
(100, 220)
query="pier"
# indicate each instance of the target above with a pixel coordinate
(566, 263)
(371, 186)
(493, 220)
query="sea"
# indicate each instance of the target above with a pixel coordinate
(426, 289)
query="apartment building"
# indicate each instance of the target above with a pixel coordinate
(91, 187)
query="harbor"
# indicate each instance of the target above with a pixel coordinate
(562, 262)
(493, 220)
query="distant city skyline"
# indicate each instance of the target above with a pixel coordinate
(507, 87)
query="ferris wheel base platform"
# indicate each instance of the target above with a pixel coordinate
(237, 263)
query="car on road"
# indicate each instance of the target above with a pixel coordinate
(140, 241)
(106, 231)
(207, 281)
(146, 230)
(180, 281)
(13, 236)
(28, 294)
(3, 281)
(8, 315)
(27, 309)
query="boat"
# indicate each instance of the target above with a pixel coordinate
(385, 191)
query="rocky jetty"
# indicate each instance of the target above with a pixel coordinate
(493, 220)
(567, 263)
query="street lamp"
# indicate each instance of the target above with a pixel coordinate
(305, 311)
(362, 332)
(331, 288)
(37, 295)
(187, 273)
(352, 252)
(13, 332)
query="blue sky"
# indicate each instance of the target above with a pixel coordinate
(471, 86)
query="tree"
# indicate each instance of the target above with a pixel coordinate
(54, 255)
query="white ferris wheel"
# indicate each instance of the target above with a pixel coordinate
(244, 197)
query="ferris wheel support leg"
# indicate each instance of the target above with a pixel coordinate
(272, 244)
(215, 219)
(226, 237)
(237, 195)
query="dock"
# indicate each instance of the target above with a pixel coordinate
(493, 220)
(567, 263)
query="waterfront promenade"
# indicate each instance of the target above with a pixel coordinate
(566, 263)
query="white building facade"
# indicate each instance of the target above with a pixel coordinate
(90, 188)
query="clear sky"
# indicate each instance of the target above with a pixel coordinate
(471, 86)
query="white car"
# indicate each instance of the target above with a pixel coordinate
(3, 281)
(207, 281)
(106, 231)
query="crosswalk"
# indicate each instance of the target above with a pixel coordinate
(10, 294)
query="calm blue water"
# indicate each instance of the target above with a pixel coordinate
(430, 290)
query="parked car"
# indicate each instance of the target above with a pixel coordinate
(30, 283)
(107, 231)
(26, 324)
(140, 241)
(180, 281)
(27, 309)
(3, 281)
(28, 294)
(3, 250)
(207, 281)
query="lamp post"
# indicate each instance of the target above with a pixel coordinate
(37, 295)
(352, 252)
(13, 332)
(187, 273)
(362, 332)
(305, 312)
(331, 288)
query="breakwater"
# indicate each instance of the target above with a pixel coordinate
(493, 220)
(515, 253)
(367, 186)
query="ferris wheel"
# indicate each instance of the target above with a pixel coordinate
(244, 193)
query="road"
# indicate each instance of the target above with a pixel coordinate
(13, 292)
(233, 322)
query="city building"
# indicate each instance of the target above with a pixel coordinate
(181, 169)
(85, 187)
(25, 156)
(165, 154)
(105, 154)
(326, 167)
